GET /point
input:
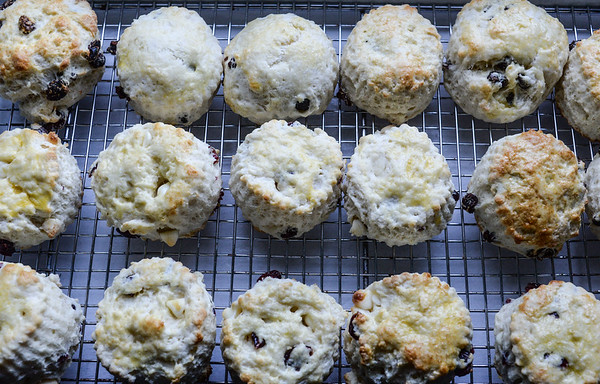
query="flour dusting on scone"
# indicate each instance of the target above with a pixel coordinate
(503, 58)
(156, 324)
(408, 328)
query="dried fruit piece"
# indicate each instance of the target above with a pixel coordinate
(469, 202)
(465, 355)
(273, 273)
(257, 342)
(289, 233)
(497, 78)
(26, 25)
(303, 106)
(121, 93)
(6, 4)
(7, 248)
(95, 56)
(57, 89)
(351, 329)
(112, 48)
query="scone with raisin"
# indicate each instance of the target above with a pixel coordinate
(157, 182)
(40, 188)
(281, 66)
(549, 335)
(156, 324)
(503, 58)
(50, 56)
(281, 332)
(40, 326)
(392, 63)
(578, 92)
(408, 328)
(286, 178)
(528, 194)
(398, 187)
(169, 65)
(592, 182)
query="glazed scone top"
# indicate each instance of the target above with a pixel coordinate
(588, 51)
(61, 28)
(555, 332)
(415, 314)
(285, 163)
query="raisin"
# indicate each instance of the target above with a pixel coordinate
(6, 4)
(510, 98)
(273, 273)
(26, 25)
(465, 355)
(95, 56)
(215, 155)
(488, 236)
(573, 44)
(542, 253)
(564, 363)
(456, 195)
(257, 342)
(446, 64)
(7, 248)
(469, 202)
(531, 286)
(183, 119)
(503, 64)
(63, 359)
(302, 106)
(342, 95)
(112, 48)
(507, 301)
(286, 358)
(351, 329)
(506, 8)
(231, 64)
(91, 173)
(498, 78)
(523, 82)
(127, 234)
(289, 233)
(420, 229)
(58, 125)
(57, 89)
(555, 314)
(121, 93)
(73, 307)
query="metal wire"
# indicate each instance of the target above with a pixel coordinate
(231, 254)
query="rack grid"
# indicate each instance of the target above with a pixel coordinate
(231, 254)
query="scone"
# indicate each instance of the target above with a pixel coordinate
(169, 65)
(286, 178)
(156, 324)
(592, 182)
(549, 335)
(392, 63)
(281, 332)
(398, 187)
(39, 326)
(578, 91)
(408, 328)
(279, 67)
(40, 188)
(50, 56)
(503, 58)
(157, 182)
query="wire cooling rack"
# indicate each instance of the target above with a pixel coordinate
(231, 254)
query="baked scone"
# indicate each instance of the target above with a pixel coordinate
(281, 331)
(156, 324)
(578, 91)
(392, 63)
(592, 182)
(40, 326)
(157, 182)
(40, 188)
(503, 58)
(408, 328)
(527, 193)
(50, 56)
(398, 187)
(549, 335)
(281, 66)
(286, 178)
(169, 65)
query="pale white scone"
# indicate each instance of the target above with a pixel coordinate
(169, 65)
(398, 187)
(592, 182)
(286, 178)
(550, 335)
(409, 328)
(503, 58)
(392, 63)
(156, 324)
(578, 91)
(40, 326)
(281, 66)
(528, 194)
(281, 331)
(50, 56)
(157, 182)
(40, 187)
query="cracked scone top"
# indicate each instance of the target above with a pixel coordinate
(50, 56)
(170, 77)
(156, 324)
(39, 326)
(40, 187)
(281, 331)
(398, 187)
(409, 328)
(550, 335)
(157, 181)
(503, 58)
(281, 66)
(286, 178)
(527, 194)
(392, 63)
(578, 91)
